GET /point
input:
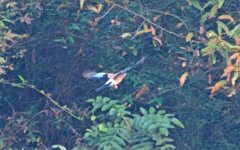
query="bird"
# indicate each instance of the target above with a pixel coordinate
(111, 79)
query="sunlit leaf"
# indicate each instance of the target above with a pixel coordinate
(145, 27)
(220, 3)
(125, 35)
(2, 60)
(92, 8)
(227, 71)
(201, 29)
(142, 91)
(81, 2)
(213, 11)
(234, 78)
(177, 122)
(152, 30)
(184, 64)
(11, 4)
(189, 37)
(217, 86)
(237, 40)
(158, 40)
(60, 147)
(223, 26)
(155, 18)
(227, 17)
(183, 78)
(99, 7)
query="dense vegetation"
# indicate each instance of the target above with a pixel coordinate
(185, 95)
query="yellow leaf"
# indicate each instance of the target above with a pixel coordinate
(125, 35)
(140, 32)
(227, 17)
(99, 7)
(11, 5)
(92, 8)
(183, 78)
(234, 78)
(81, 2)
(145, 27)
(228, 70)
(184, 64)
(189, 37)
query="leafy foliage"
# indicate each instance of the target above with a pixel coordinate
(117, 128)
(189, 45)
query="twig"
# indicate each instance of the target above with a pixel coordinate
(63, 108)
(125, 120)
(107, 12)
(147, 20)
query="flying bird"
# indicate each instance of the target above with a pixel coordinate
(111, 79)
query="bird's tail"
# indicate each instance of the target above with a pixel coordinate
(101, 87)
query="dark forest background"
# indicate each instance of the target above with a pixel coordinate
(185, 95)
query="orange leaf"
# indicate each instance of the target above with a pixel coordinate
(201, 29)
(227, 71)
(235, 56)
(155, 18)
(157, 39)
(152, 30)
(189, 36)
(227, 17)
(237, 40)
(142, 91)
(217, 86)
(183, 78)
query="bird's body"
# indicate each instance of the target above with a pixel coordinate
(112, 80)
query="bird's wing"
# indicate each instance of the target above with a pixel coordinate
(94, 75)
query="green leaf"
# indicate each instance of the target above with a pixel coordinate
(177, 122)
(2, 60)
(17, 85)
(235, 31)
(119, 140)
(112, 112)
(143, 111)
(61, 147)
(164, 131)
(116, 146)
(102, 127)
(167, 139)
(220, 3)
(196, 4)
(152, 110)
(221, 26)
(22, 79)
(213, 11)
(168, 147)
